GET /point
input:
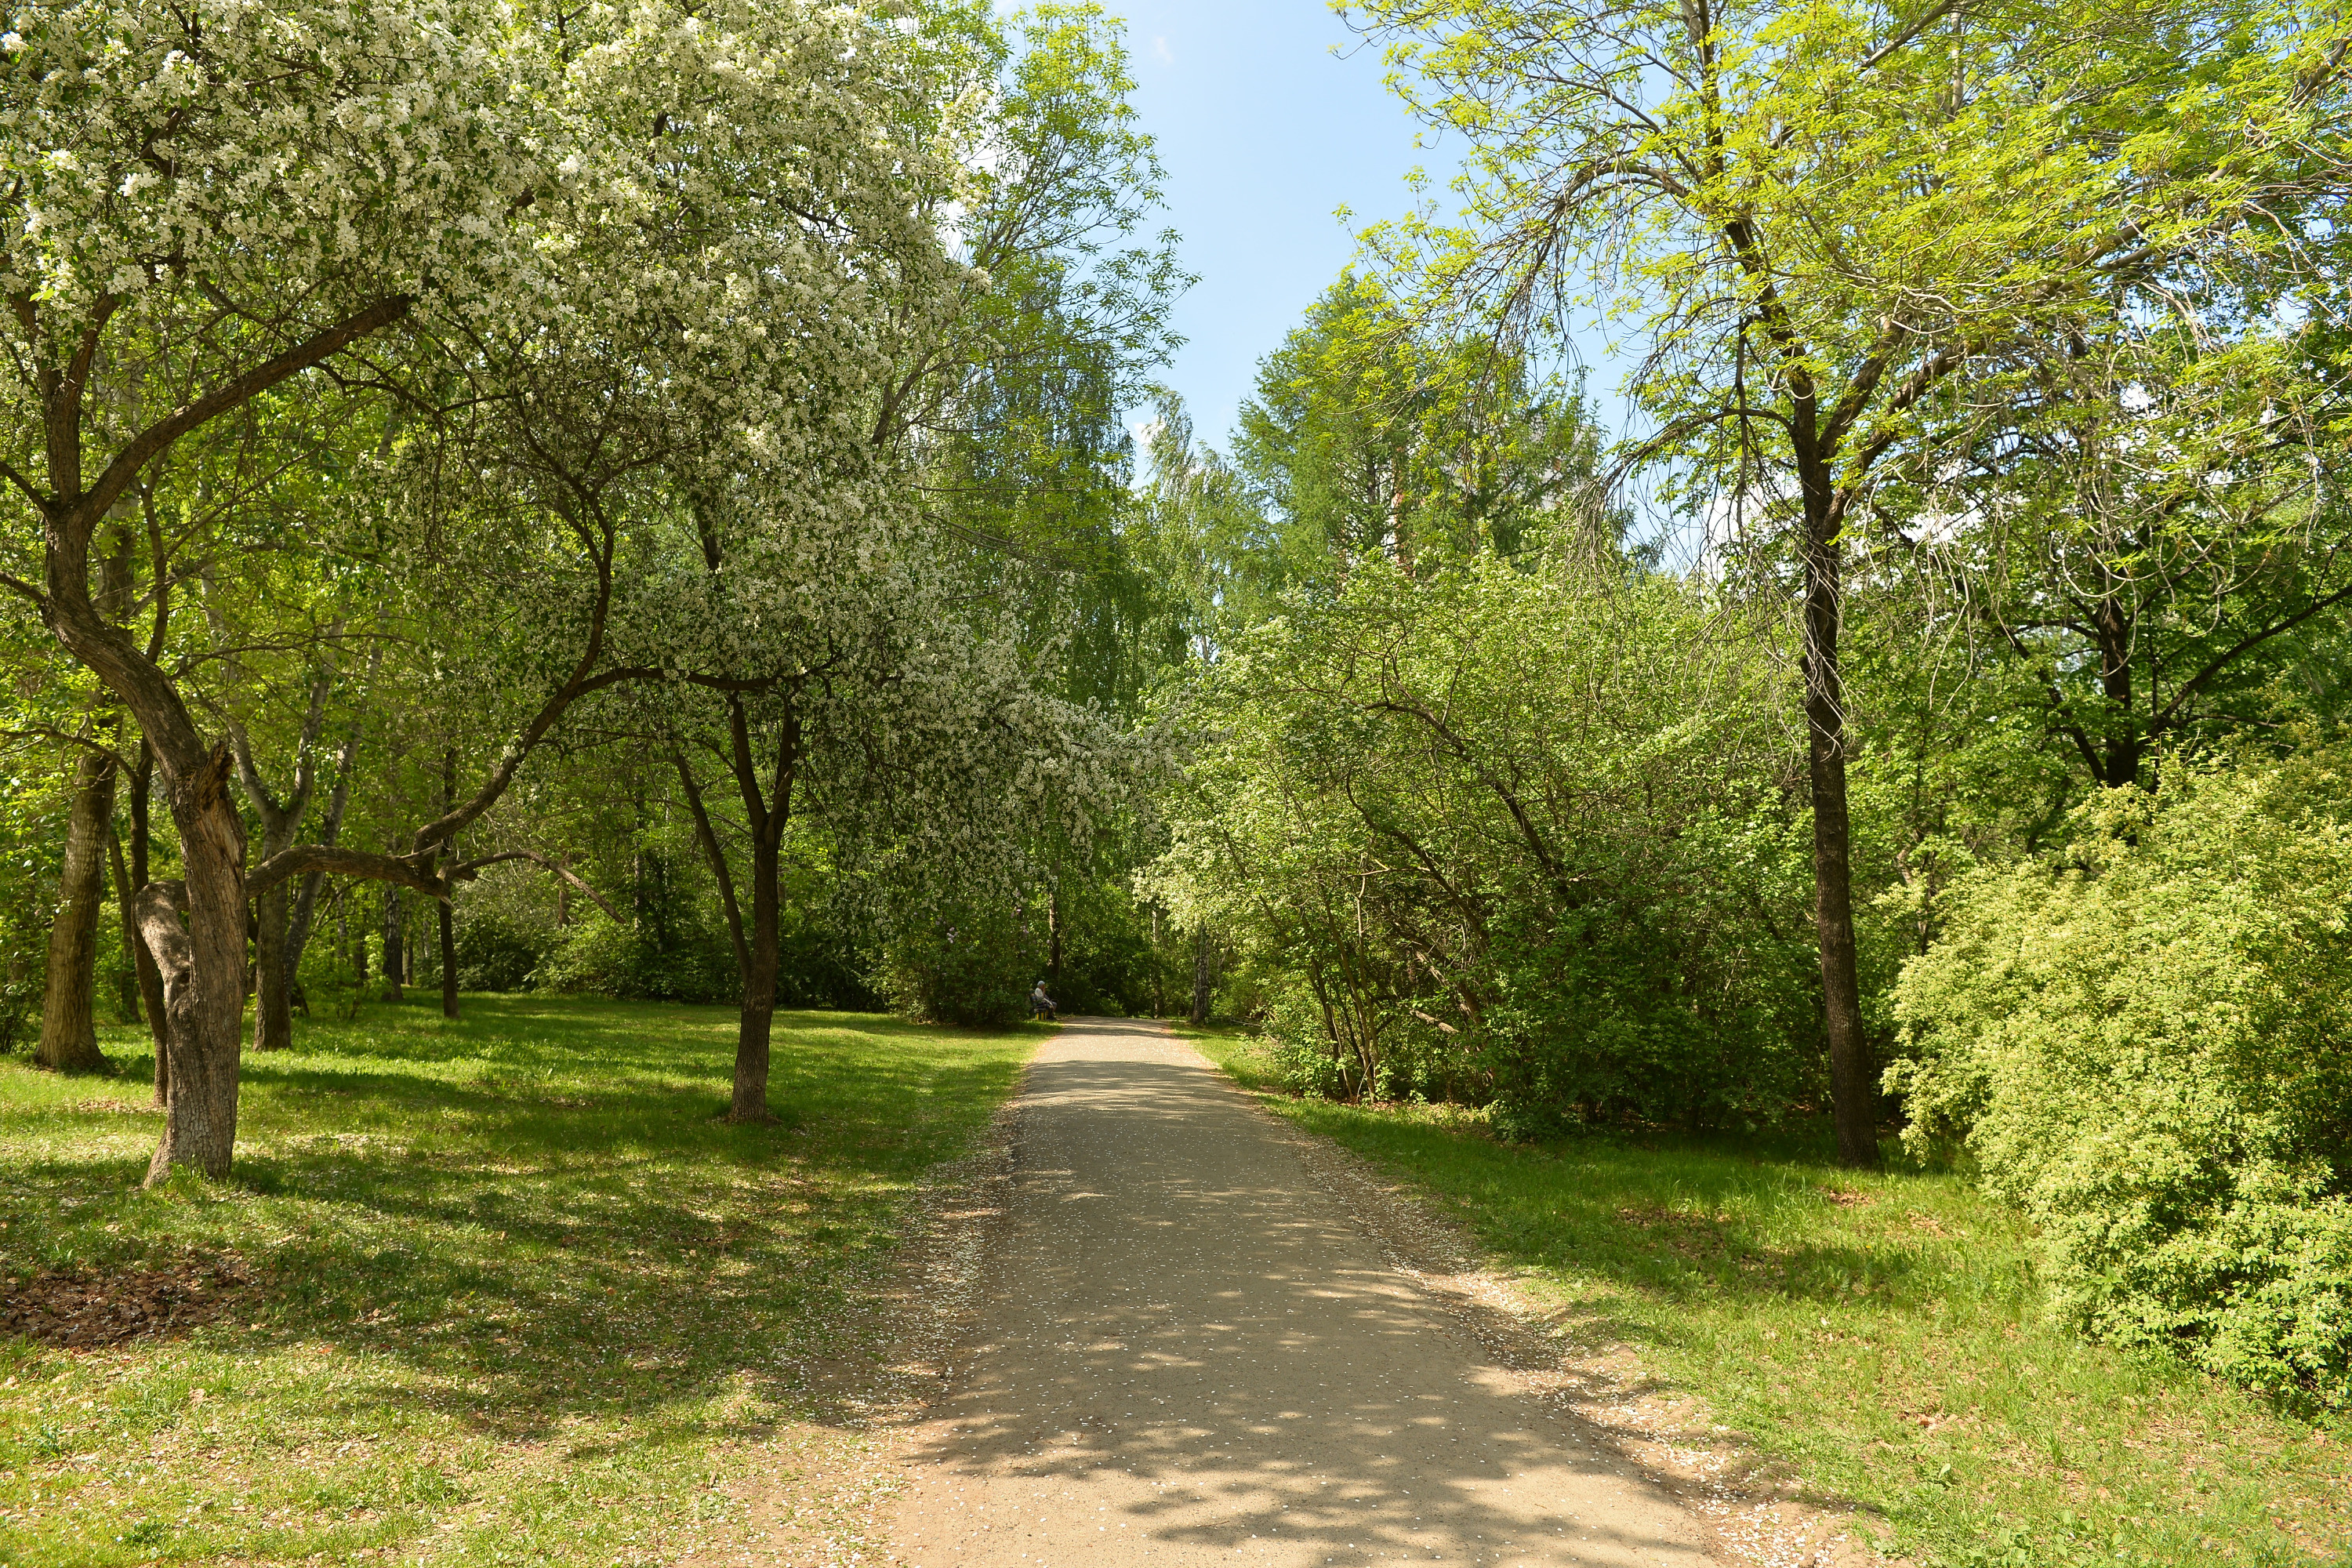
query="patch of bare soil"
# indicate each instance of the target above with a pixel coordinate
(1760, 1514)
(86, 1308)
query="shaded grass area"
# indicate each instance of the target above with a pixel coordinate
(518, 1295)
(1880, 1335)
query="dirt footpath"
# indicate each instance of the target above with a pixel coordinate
(1183, 1353)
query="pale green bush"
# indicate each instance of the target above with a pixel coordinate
(2147, 1044)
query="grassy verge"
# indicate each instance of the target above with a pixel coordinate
(1882, 1335)
(497, 1290)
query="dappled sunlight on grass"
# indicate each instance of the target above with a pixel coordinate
(1882, 1333)
(516, 1283)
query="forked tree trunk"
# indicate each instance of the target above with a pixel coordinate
(69, 1032)
(281, 821)
(766, 812)
(203, 960)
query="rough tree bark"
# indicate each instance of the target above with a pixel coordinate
(200, 1124)
(203, 968)
(68, 1034)
(1853, 1084)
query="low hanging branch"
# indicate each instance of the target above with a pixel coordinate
(468, 871)
(412, 871)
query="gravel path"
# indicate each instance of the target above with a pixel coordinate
(1184, 1354)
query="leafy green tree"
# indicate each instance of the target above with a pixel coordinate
(1816, 221)
(561, 243)
(1521, 834)
(2145, 528)
(1370, 436)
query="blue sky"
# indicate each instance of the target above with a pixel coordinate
(1264, 134)
(1271, 115)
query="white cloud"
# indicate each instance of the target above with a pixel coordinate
(1160, 47)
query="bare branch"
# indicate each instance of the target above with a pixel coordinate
(468, 870)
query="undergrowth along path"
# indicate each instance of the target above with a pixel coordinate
(1871, 1351)
(1183, 1351)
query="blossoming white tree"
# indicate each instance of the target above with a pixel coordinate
(599, 263)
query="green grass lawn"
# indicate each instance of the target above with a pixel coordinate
(1882, 1335)
(516, 1295)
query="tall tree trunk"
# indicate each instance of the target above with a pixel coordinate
(444, 914)
(202, 966)
(151, 978)
(127, 999)
(1853, 1089)
(749, 1099)
(446, 919)
(68, 1034)
(1200, 1013)
(2111, 623)
(273, 1011)
(395, 956)
(306, 899)
(1054, 938)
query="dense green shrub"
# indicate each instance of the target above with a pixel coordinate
(1510, 835)
(494, 954)
(962, 965)
(599, 956)
(2147, 1043)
